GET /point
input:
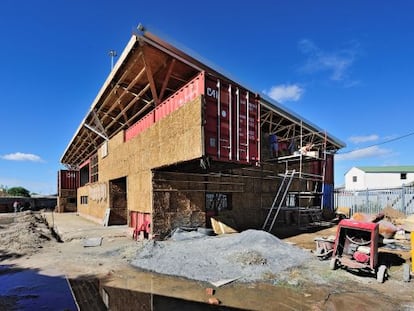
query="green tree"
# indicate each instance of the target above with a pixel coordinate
(18, 191)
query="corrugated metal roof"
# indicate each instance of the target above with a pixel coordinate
(387, 169)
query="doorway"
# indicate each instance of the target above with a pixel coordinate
(118, 201)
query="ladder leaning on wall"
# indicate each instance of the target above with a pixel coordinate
(278, 200)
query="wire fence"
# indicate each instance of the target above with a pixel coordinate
(372, 201)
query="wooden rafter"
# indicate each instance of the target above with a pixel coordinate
(130, 104)
(150, 77)
(115, 86)
(167, 78)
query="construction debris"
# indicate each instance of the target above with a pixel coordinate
(92, 242)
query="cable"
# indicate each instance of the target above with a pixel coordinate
(378, 144)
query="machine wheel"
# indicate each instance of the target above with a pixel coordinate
(406, 272)
(333, 264)
(381, 273)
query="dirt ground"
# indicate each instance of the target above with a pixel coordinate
(26, 242)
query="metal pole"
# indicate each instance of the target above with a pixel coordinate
(112, 54)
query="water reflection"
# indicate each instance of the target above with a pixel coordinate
(139, 290)
(124, 299)
(26, 289)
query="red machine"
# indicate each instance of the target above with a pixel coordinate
(356, 248)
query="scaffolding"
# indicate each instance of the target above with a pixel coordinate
(301, 190)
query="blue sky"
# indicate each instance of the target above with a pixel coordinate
(345, 66)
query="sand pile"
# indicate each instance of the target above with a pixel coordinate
(251, 255)
(23, 233)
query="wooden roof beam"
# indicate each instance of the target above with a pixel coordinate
(167, 78)
(150, 77)
(125, 73)
(129, 105)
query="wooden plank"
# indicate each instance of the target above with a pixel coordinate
(105, 221)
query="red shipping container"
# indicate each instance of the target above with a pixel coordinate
(329, 169)
(139, 126)
(68, 179)
(231, 114)
(231, 128)
(184, 95)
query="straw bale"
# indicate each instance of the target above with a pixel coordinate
(95, 209)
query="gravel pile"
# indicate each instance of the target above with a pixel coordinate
(251, 255)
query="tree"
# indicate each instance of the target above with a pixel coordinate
(18, 192)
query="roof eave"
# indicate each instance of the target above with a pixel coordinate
(131, 43)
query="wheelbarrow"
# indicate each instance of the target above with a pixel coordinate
(356, 248)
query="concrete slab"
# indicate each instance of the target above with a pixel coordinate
(71, 226)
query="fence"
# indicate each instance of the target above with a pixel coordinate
(372, 201)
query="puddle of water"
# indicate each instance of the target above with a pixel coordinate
(157, 292)
(28, 290)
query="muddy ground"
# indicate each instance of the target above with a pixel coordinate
(27, 243)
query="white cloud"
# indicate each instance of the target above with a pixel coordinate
(285, 92)
(19, 156)
(337, 63)
(369, 152)
(363, 139)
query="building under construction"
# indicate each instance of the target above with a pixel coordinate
(171, 142)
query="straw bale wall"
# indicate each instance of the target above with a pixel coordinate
(179, 200)
(95, 208)
(175, 138)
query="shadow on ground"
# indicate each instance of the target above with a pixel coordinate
(28, 289)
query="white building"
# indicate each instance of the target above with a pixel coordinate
(378, 177)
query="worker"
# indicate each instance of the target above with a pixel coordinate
(274, 147)
(16, 206)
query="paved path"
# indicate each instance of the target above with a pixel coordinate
(71, 226)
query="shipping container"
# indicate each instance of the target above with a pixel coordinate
(232, 122)
(68, 179)
(139, 126)
(184, 95)
(187, 93)
(231, 127)
(329, 169)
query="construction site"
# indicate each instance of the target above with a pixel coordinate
(186, 190)
(170, 142)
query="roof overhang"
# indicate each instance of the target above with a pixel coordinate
(279, 120)
(147, 72)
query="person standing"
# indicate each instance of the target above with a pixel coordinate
(16, 206)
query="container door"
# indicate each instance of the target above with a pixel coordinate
(218, 125)
(241, 125)
(253, 118)
(231, 128)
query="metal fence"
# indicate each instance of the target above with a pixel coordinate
(372, 201)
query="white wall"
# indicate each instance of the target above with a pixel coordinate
(359, 184)
(374, 180)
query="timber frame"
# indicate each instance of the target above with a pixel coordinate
(148, 71)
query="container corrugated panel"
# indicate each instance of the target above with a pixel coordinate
(140, 126)
(68, 179)
(328, 196)
(329, 169)
(184, 95)
(231, 127)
